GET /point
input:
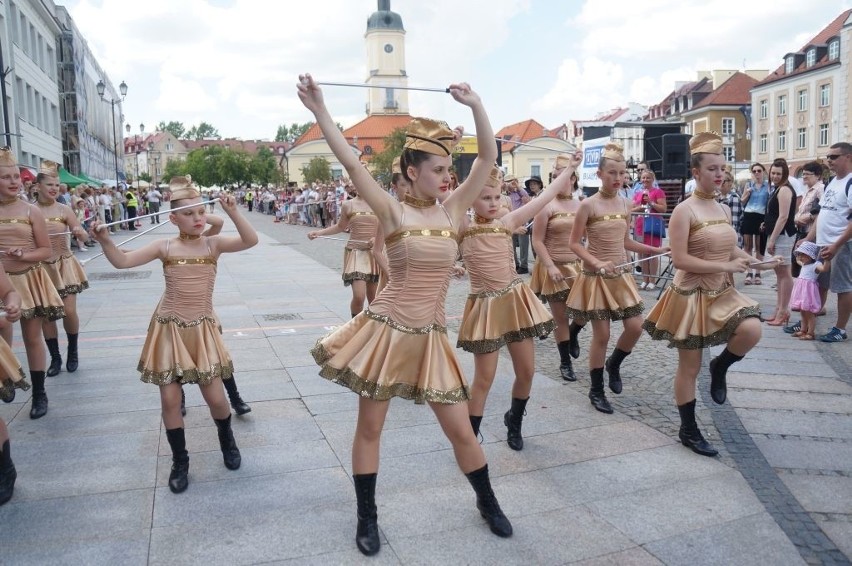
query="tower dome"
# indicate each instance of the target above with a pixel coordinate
(384, 19)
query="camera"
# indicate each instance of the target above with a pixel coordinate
(815, 208)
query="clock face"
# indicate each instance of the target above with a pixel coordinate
(388, 48)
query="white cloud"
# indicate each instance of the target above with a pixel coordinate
(592, 83)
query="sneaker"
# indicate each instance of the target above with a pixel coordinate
(651, 287)
(643, 285)
(834, 335)
(793, 328)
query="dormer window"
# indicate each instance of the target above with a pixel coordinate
(790, 64)
(834, 50)
(810, 61)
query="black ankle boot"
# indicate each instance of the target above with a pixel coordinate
(718, 375)
(55, 358)
(596, 392)
(487, 504)
(39, 401)
(367, 533)
(689, 434)
(566, 368)
(8, 475)
(573, 331)
(72, 361)
(230, 452)
(179, 476)
(475, 421)
(513, 419)
(240, 407)
(182, 402)
(613, 369)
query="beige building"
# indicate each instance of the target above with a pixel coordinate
(149, 153)
(528, 149)
(804, 106)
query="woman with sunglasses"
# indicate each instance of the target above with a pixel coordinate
(754, 199)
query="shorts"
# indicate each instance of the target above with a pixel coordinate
(841, 270)
(750, 224)
(784, 247)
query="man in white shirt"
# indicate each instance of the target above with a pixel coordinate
(154, 196)
(105, 207)
(834, 235)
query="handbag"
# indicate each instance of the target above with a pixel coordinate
(654, 226)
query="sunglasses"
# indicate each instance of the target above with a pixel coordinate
(757, 170)
(832, 157)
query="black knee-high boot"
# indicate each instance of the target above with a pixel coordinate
(8, 475)
(240, 407)
(596, 391)
(513, 419)
(487, 504)
(230, 452)
(39, 401)
(55, 358)
(613, 368)
(718, 374)
(475, 421)
(573, 331)
(367, 533)
(72, 361)
(689, 434)
(566, 368)
(179, 476)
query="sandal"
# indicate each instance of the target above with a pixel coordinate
(806, 337)
(798, 334)
(748, 280)
(782, 321)
(757, 280)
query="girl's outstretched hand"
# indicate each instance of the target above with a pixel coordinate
(310, 93)
(229, 203)
(96, 233)
(464, 94)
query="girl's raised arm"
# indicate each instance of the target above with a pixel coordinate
(126, 259)
(246, 237)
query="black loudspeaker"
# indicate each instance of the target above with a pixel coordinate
(675, 156)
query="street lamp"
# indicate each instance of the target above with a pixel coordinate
(155, 159)
(122, 88)
(137, 148)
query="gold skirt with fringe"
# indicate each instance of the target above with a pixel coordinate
(359, 265)
(604, 297)
(549, 290)
(11, 374)
(39, 297)
(67, 275)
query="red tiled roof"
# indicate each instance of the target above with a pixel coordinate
(521, 132)
(372, 131)
(311, 134)
(831, 30)
(732, 92)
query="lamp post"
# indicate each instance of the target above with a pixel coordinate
(155, 159)
(122, 88)
(137, 149)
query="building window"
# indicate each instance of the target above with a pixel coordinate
(790, 64)
(535, 170)
(727, 126)
(803, 100)
(824, 95)
(834, 50)
(810, 60)
(170, 147)
(389, 100)
(782, 141)
(764, 109)
(14, 18)
(782, 105)
(764, 144)
(802, 138)
(728, 152)
(823, 135)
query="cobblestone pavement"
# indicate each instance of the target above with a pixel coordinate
(648, 398)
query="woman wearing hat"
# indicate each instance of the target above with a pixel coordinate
(701, 308)
(398, 347)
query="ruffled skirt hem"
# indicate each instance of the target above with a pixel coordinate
(39, 298)
(548, 290)
(604, 297)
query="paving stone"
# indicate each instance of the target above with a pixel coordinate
(126, 548)
(759, 381)
(804, 454)
(821, 494)
(819, 402)
(824, 425)
(636, 556)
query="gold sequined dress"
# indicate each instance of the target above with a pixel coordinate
(11, 374)
(500, 308)
(64, 270)
(699, 310)
(398, 347)
(605, 297)
(39, 298)
(184, 342)
(559, 226)
(358, 260)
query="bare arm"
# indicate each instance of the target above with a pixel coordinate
(73, 222)
(341, 226)
(122, 259)
(576, 240)
(784, 199)
(246, 236)
(522, 215)
(679, 226)
(42, 250)
(216, 224)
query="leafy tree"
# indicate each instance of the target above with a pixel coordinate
(291, 133)
(177, 129)
(263, 166)
(232, 167)
(318, 169)
(145, 176)
(382, 162)
(201, 165)
(202, 131)
(174, 167)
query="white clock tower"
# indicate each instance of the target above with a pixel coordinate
(386, 62)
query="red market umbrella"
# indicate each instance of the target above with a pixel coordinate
(27, 175)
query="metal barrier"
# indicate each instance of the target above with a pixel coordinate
(665, 270)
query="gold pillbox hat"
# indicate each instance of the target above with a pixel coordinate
(706, 142)
(49, 168)
(7, 158)
(494, 177)
(395, 166)
(614, 151)
(182, 188)
(563, 160)
(429, 136)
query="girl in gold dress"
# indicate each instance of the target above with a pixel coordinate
(603, 291)
(25, 246)
(701, 308)
(65, 271)
(398, 347)
(184, 343)
(556, 266)
(11, 378)
(360, 269)
(501, 309)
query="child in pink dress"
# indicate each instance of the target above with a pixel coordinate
(805, 295)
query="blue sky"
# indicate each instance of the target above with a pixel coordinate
(234, 63)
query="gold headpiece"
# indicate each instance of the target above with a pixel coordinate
(429, 136)
(396, 167)
(7, 158)
(705, 142)
(493, 178)
(50, 168)
(182, 188)
(563, 160)
(614, 151)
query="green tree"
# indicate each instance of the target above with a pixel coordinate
(382, 162)
(263, 166)
(318, 169)
(201, 165)
(202, 131)
(145, 177)
(232, 167)
(174, 167)
(291, 133)
(177, 129)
